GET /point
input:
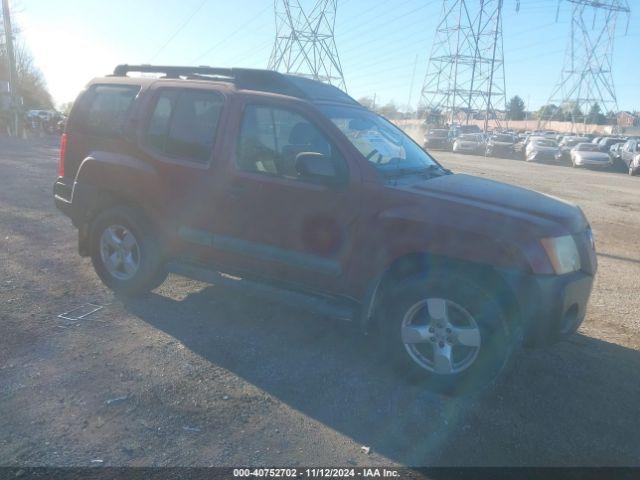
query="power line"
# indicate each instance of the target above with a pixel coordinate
(232, 34)
(180, 28)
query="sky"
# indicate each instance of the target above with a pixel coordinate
(381, 43)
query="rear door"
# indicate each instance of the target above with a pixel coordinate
(181, 134)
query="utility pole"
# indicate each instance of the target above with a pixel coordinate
(587, 78)
(13, 74)
(466, 75)
(305, 43)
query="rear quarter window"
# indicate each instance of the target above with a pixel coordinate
(104, 109)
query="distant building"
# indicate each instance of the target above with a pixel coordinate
(628, 119)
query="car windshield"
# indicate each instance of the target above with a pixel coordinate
(383, 144)
(503, 138)
(438, 133)
(545, 143)
(587, 147)
(470, 138)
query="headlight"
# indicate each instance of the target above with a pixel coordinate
(563, 254)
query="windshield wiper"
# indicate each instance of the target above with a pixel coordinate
(429, 171)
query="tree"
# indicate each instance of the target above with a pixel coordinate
(65, 108)
(595, 115)
(515, 108)
(366, 102)
(550, 111)
(390, 110)
(31, 84)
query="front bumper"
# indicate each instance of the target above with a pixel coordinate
(594, 163)
(550, 307)
(500, 150)
(544, 156)
(437, 144)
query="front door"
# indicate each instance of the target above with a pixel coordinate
(275, 221)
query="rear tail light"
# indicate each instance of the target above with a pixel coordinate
(63, 153)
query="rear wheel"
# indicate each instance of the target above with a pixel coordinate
(125, 252)
(451, 336)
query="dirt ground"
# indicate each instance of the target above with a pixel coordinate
(197, 375)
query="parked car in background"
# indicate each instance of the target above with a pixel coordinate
(589, 155)
(630, 155)
(437, 139)
(568, 142)
(470, 143)
(606, 143)
(457, 130)
(596, 140)
(288, 188)
(501, 145)
(615, 151)
(541, 149)
(530, 138)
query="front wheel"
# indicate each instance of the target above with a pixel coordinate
(452, 336)
(125, 252)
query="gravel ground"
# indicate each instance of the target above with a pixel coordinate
(197, 375)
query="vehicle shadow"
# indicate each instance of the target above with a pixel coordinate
(572, 404)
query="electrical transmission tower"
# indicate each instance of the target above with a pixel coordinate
(586, 79)
(465, 77)
(305, 43)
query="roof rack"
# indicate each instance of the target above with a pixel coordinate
(248, 79)
(172, 71)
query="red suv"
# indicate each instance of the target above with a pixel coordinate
(289, 188)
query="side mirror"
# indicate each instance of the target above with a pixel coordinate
(316, 166)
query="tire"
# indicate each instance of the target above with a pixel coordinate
(138, 269)
(467, 304)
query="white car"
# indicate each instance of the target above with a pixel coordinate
(542, 149)
(589, 155)
(470, 143)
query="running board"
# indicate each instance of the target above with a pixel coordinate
(328, 306)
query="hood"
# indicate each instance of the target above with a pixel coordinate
(593, 155)
(545, 212)
(537, 148)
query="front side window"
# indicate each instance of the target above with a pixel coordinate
(384, 145)
(272, 139)
(183, 124)
(106, 108)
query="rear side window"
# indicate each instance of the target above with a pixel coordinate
(105, 109)
(183, 124)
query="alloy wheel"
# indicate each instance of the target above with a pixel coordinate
(120, 252)
(441, 336)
